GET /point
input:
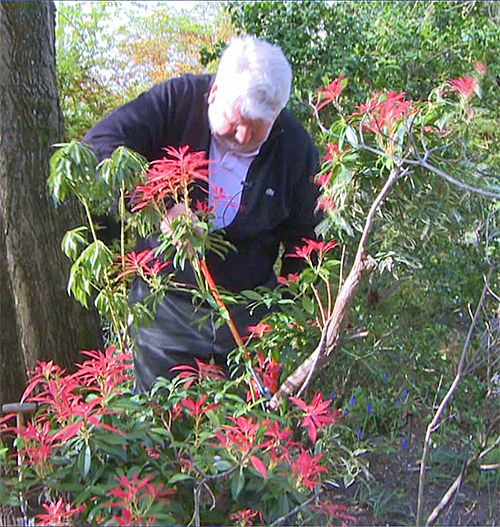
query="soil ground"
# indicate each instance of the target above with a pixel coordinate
(389, 497)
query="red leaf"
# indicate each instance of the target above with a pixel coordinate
(259, 465)
(69, 431)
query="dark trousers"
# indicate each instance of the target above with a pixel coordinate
(175, 336)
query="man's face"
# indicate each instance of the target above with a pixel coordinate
(236, 132)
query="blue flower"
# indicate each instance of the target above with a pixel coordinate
(352, 401)
(369, 409)
(332, 396)
(386, 378)
(360, 433)
(406, 394)
(404, 444)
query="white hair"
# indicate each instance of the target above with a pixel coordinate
(257, 75)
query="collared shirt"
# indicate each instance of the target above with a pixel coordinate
(228, 173)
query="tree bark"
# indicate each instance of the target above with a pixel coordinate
(30, 123)
(12, 375)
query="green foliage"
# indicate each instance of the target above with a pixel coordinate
(86, 63)
(93, 275)
(410, 46)
(162, 41)
(193, 451)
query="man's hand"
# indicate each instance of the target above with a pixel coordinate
(166, 226)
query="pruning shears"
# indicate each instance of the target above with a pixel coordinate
(264, 391)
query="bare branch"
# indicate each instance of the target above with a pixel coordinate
(496, 466)
(435, 422)
(296, 509)
(428, 166)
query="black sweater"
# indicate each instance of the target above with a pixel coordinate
(279, 197)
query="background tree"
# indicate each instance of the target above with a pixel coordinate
(164, 42)
(107, 55)
(86, 61)
(30, 123)
(410, 46)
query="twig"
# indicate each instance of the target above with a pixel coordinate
(455, 487)
(428, 166)
(342, 265)
(441, 506)
(359, 335)
(451, 512)
(434, 424)
(297, 509)
(486, 451)
(203, 484)
(320, 305)
(496, 466)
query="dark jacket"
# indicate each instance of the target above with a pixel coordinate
(279, 196)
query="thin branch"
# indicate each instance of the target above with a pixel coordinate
(296, 509)
(496, 466)
(492, 447)
(434, 424)
(428, 166)
(445, 501)
(455, 486)
(318, 120)
(391, 180)
(320, 304)
(342, 264)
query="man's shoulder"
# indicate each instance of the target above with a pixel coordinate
(292, 128)
(186, 81)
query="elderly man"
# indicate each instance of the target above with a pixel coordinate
(264, 161)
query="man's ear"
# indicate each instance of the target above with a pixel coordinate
(211, 95)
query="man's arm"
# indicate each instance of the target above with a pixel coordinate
(137, 125)
(172, 113)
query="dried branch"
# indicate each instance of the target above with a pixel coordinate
(441, 506)
(455, 486)
(436, 420)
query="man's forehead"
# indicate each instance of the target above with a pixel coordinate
(233, 113)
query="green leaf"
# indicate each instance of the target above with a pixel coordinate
(178, 477)
(84, 461)
(237, 484)
(308, 304)
(351, 136)
(72, 241)
(252, 295)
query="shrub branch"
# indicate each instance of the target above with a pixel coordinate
(330, 338)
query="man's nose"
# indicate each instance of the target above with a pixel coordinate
(243, 134)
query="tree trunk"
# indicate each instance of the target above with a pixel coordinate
(12, 374)
(30, 122)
